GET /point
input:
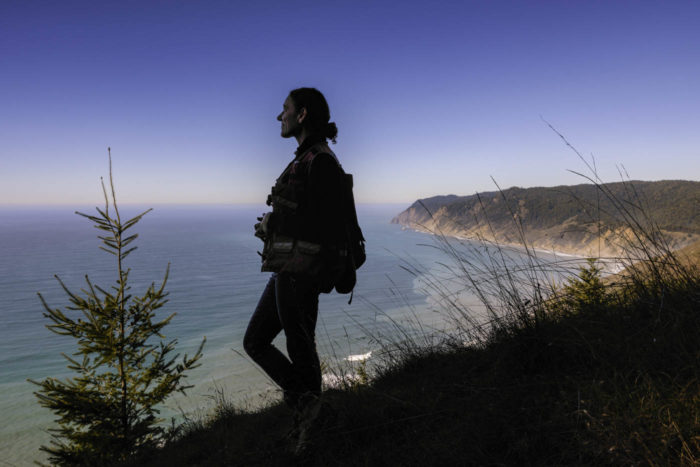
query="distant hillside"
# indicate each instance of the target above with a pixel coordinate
(690, 254)
(575, 219)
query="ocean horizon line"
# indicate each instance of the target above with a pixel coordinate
(166, 204)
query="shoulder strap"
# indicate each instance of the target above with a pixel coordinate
(317, 149)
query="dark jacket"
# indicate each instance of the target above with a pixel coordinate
(306, 212)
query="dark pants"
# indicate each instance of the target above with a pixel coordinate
(289, 303)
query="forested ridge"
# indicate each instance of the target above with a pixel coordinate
(561, 217)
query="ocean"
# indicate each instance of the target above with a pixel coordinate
(214, 285)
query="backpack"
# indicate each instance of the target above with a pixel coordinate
(353, 253)
(351, 247)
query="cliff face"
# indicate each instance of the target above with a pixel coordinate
(576, 219)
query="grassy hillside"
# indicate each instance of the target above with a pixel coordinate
(614, 384)
(589, 372)
(691, 253)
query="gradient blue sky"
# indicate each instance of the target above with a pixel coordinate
(429, 97)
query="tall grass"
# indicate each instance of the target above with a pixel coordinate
(628, 344)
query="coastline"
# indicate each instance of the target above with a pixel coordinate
(611, 265)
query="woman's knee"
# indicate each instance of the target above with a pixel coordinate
(251, 345)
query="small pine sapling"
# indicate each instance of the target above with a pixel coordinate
(108, 412)
(586, 291)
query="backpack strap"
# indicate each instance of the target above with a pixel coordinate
(318, 149)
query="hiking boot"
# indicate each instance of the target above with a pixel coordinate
(293, 433)
(307, 426)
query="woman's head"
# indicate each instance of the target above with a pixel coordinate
(317, 120)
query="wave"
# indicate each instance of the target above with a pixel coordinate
(359, 357)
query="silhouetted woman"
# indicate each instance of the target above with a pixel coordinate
(300, 234)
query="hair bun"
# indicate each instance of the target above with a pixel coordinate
(331, 131)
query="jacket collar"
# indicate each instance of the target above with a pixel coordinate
(307, 143)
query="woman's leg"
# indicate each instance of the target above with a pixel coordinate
(297, 306)
(263, 328)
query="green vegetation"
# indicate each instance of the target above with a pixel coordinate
(594, 371)
(108, 412)
(586, 292)
(673, 204)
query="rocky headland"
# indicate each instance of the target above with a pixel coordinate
(585, 220)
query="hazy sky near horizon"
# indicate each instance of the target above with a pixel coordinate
(429, 97)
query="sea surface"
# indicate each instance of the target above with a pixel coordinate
(214, 285)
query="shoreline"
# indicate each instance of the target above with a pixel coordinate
(610, 265)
